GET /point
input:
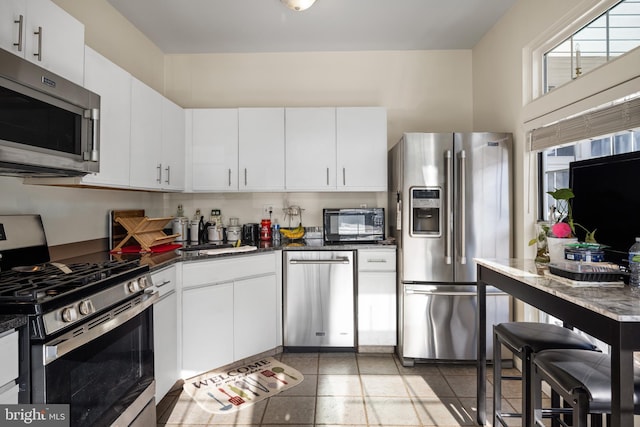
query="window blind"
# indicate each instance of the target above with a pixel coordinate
(592, 124)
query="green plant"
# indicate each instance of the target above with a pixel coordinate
(563, 197)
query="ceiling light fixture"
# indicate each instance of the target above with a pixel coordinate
(298, 5)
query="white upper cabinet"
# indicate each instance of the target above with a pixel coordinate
(261, 149)
(310, 149)
(146, 137)
(215, 149)
(173, 134)
(113, 84)
(157, 140)
(361, 148)
(43, 33)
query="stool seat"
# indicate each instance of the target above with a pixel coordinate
(524, 340)
(540, 336)
(576, 371)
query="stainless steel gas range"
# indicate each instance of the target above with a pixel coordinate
(88, 341)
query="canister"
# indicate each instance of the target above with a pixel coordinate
(181, 226)
(233, 233)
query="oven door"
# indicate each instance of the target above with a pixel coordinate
(107, 380)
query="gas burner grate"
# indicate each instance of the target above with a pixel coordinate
(51, 282)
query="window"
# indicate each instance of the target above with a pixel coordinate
(612, 34)
(555, 161)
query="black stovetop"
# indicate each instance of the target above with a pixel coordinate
(45, 287)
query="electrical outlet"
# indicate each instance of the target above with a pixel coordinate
(363, 205)
(267, 211)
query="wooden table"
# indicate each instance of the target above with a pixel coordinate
(609, 314)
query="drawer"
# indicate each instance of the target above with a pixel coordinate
(9, 357)
(227, 269)
(376, 260)
(164, 280)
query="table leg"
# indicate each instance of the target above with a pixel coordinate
(621, 383)
(481, 392)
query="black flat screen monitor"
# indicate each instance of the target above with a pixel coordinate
(607, 198)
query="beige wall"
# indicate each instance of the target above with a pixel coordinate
(422, 90)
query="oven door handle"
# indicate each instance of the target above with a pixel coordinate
(71, 340)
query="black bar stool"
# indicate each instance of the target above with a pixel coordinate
(524, 339)
(582, 379)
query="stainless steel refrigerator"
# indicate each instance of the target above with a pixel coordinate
(449, 202)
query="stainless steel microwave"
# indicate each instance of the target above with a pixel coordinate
(48, 125)
(355, 225)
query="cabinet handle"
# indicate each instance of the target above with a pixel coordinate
(229, 177)
(38, 54)
(164, 283)
(327, 176)
(245, 177)
(168, 169)
(20, 22)
(379, 260)
(159, 169)
(344, 176)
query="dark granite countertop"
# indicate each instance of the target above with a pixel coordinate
(11, 321)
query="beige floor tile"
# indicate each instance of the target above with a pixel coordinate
(385, 411)
(340, 410)
(290, 410)
(458, 369)
(383, 386)
(339, 385)
(306, 363)
(345, 365)
(465, 385)
(428, 386)
(185, 411)
(377, 364)
(418, 368)
(443, 412)
(307, 387)
(251, 415)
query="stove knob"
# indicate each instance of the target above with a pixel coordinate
(86, 307)
(133, 286)
(143, 282)
(69, 314)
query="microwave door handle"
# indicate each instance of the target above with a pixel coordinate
(447, 215)
(463, 208)
(94, 116)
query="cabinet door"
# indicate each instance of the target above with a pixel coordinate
(113, 84)
(146, 136)
(173, 167)
(215, 149)
(60, 46)
(207, 328)
(310, 149)
(261, 149)
(254, 316)
(10, 30)
(165, 341)
(361, 148)
(377, 308)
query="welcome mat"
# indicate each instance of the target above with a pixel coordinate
(229, 389)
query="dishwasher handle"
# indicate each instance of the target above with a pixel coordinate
(339, 260)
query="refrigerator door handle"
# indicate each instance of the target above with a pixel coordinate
(447, 215)
(463, 208)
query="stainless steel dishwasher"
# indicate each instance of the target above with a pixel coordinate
(319, 307)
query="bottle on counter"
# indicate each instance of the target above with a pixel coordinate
(634, 264)
(265, 230)
(275, 234)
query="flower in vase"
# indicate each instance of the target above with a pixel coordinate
(561, 230)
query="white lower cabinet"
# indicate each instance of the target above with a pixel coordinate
(165, 331)
(9, 358)
(254, 320)
(377, 297)
(229, 311)
(207, 328)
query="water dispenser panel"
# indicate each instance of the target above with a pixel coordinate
(426, 204)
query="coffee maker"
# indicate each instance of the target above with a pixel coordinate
(251, 234)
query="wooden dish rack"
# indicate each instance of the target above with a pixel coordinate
(146, 231)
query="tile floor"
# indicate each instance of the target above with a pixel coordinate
(347, 389)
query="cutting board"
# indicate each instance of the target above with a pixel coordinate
(116, 231)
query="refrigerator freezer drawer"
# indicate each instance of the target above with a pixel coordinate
(439, 322)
